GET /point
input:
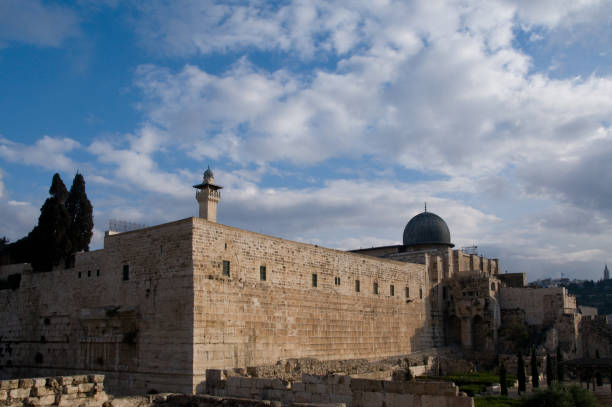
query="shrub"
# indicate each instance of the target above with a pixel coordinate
(572, 396)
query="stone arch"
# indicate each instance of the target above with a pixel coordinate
(453, 331)
(479, 333)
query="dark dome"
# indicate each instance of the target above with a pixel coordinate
(427, 228)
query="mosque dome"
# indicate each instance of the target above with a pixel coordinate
(427, 228)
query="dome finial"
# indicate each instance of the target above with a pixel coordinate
(425, 206)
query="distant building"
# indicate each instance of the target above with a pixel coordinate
(606, 273)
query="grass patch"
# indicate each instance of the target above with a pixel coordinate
(472, 383)
(496, 401)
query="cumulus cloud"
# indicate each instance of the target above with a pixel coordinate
(438, 88)
(36, 22)
(135, 166)
(47, 152)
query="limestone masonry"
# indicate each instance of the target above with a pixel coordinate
(157, 307)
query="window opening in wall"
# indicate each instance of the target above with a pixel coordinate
(79, 274)
(226, 268)
(357, 286)
(444, 293)
(88, 273)
(126, 272)
(392, 290)
(375, 288)
(314, 280)
(226, 245)
(262, 273)
(407, 292)
(493, 286)
(98, 273)
(421, 293)
(337, 280)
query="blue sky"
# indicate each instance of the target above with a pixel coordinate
(329, 122)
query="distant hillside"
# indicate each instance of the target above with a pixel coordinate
(594, 294)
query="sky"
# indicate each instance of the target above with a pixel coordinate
(326, 122)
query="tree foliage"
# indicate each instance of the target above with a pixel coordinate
(503, 380)
(535, 375)
(64, 227)
(81, 215)
(520, 373)
(557, 396)
(560, 370)
(549, 371)
(50, 239)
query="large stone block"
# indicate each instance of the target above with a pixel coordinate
(9, 384)
(42, 391)
(70, 389)
(41, 401)
(65, 380)
(26, 383)
(366, 385)
(86, 387)
(19, 393)
(373, 399)
(96, 378)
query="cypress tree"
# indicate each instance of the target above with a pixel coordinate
(50, 238)
(503, 380)
(535, 376)
(598, 378)
(560, 372)
(549, 371)
(520, 373)
(81, 215)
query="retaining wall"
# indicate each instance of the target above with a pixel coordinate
(63, 391)
(339, 389)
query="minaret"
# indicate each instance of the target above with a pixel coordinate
(208, 196)
(606, 273)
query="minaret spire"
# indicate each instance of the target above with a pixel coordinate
(208, 196)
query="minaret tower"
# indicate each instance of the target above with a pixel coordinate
(606, 273)
(208, 196)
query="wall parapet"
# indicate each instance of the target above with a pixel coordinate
(63, 391)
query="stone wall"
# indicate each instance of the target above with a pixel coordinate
(513, 279)
(339, 389)
(153, 309)
(88, 319)
(63, 391)
(541, 305)
(242, 320)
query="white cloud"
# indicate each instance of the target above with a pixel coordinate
(135, 167)
(36, 22)
(48, 152)
(18, 217)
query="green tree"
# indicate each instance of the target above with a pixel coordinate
(81, 215)
(535, 376)
(598, 378)
(549, 370)
(520, 373)
(503, 380)
(560, 372)
(50, 239)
